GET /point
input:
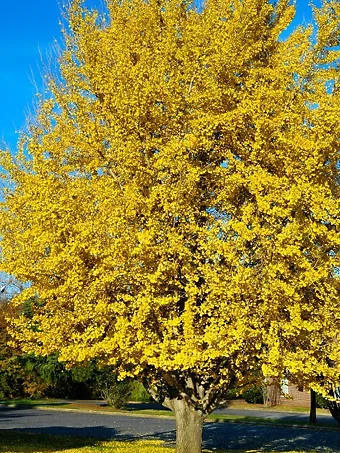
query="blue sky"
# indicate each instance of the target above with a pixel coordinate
(27, 31)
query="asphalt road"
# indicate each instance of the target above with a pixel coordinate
(290, 417)
(216, 435)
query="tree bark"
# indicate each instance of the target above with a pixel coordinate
(189, 426)
(312, 414)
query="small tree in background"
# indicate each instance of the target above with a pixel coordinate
(175, 203)
(113, 391)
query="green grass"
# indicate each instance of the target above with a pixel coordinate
(14, 402)
(82, 407)
(234, 405)
(15, 442)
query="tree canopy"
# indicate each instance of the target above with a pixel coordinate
(175, 202)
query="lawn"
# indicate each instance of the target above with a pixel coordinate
(14, 442)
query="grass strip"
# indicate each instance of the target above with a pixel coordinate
(15, 442)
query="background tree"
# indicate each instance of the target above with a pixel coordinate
(175, 203)
(10, 371)
(29, 375)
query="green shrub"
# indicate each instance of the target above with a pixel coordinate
(253, 395)
(321, 402)
(116, 393)
(139, 393)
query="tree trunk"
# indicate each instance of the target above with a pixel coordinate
(189, 427)
(334, 409)
(312, 414)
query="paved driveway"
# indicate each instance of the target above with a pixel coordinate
(216, 435)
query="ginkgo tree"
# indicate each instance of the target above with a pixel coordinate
(174, 204)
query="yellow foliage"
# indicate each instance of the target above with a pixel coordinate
(175, 204)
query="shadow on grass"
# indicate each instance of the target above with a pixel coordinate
(62, 438)
(29, 442)
(146, 407)
(240, 438)
(217, 437)
(32, 403)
